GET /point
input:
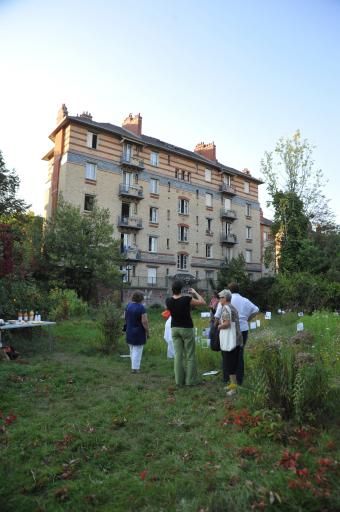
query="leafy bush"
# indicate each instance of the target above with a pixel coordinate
(65, 304)
(110, 319)
(293, 382)
(23, 294)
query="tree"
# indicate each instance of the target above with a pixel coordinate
(234, 271)
(290, 169)
(9, 184)
(80, 249)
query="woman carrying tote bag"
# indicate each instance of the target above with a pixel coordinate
(230, 339)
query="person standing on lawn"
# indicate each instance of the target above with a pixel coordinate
(137, 329)
(182, 330)
(246, 311)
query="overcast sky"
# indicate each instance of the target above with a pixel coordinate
(241, 74)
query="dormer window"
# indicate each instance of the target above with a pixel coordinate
(92, 139)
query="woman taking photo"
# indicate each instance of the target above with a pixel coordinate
(182, 330)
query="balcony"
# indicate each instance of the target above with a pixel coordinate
(227, 189)
(131, 253)
(133, 191)
(130, 222)
(133, 162)
(228, 214)
(229, 239)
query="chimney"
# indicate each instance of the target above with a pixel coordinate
(62, 112)
(86, 115)
(206, 150)
(246, 171)
(133, 124)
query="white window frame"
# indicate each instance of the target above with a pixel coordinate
(183, 206)
(227, 180)
(92, 140)
(227, 203)
(182, 261)
(153, 215)
(209, 224)
(248, 209)
(152, 275)
(153, 244)
(154, 186)
(248, 255)
(183, 234)
(91, 171)
(246, 187)
(127, 149)
(208, 199)
(208, 175)
(93, 200)
(154, 158)
(249, 233)
(208, 250)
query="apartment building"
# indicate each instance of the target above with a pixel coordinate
(267, 242)
(176, 212)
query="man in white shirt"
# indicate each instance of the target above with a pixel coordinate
(246, 311)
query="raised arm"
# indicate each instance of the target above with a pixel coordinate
(197, 299)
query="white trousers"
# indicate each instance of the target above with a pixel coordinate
(136, 352)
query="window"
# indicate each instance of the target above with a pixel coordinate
(248, 256)
(154, 158)
(209, 225)
(227, 228)
(153, 243)
(246, 187)
(92, 139)
(176, 174)
(89, 202)
(127, 152)
(227, 180)
(153, 216)
(183, 233)
(208, 199)
(183, 206)
(183, 175)
(152, 275)
(208, 250)
(182, 261)
(197, 193)
(229, 253)
(128, 179)
(189, 176)
(209, 274)
(197, 248)
(169, 159)
(248, 233)
(169, 186)
(248, 210)
(197, 274)
(207, 175)
(227, 203)
(90, 171)
(168, 243)
(154, 186)
(168, 214)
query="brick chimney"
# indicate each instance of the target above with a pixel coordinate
(62, 112)
(86, 115)
(206, 150)
(246, 171)
(133, 124)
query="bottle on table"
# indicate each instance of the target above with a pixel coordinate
(25, 317)
(20, 316)
(31, 315)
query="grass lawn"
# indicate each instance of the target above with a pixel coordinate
(79, 432)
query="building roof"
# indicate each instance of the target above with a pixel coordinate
(266, 222)
(146, 140)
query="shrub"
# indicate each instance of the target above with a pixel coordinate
(23, 294)
(288, 380)
(65, 304)
(110, 319)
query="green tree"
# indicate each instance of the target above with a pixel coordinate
(80, 250)
(290, 169)
(235, 271)
(9, 184)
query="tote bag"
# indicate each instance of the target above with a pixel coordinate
(228, 336)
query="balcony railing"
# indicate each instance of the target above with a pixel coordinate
(154, 257)
(227, 189)
(228, 214)
(131, 161)
(130, 222)
(143, 282)
(135, 191)
(228, 239)
(131, 253)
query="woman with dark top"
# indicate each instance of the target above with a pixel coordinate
(137, 329)
(182, 330)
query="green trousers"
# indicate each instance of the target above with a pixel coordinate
(185, 365)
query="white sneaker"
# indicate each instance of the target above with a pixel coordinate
(231, 392)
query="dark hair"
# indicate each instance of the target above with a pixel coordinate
(177, 286)
(234, 287)
(137, 296)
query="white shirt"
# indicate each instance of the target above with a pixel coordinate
(244, 307)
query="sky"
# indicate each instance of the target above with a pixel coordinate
(241, 74)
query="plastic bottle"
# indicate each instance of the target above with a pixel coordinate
(31, 315)
(25, 317)
(20, 316)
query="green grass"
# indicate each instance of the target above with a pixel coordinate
(89, 436)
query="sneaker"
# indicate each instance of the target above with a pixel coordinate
(231, 392)
(134, 371)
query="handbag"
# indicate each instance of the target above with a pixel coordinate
(228, 336)
(214, 339)
(166, 314)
